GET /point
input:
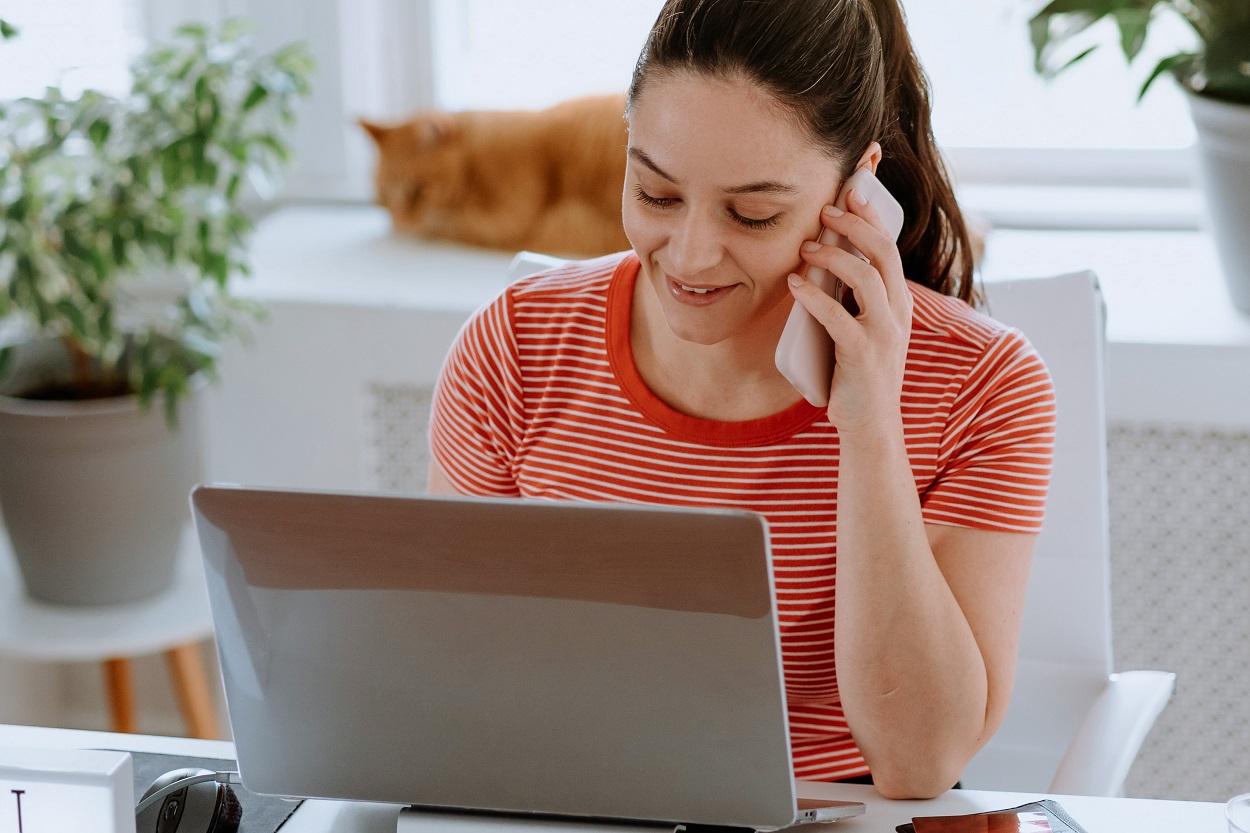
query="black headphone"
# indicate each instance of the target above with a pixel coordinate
(192, 801)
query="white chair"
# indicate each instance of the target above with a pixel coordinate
(1072, 727)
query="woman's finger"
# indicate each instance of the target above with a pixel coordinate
(837, 321)
(881, 251)
(861, 277)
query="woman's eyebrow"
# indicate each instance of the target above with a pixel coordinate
(764, 186)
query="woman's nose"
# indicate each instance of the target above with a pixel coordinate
(693, 246)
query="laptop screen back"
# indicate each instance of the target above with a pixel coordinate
(578, 659)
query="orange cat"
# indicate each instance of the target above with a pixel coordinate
(545, 180)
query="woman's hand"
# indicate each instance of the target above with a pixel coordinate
(870, 348)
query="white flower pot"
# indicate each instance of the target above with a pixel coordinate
(93, 492)
(1224, 165)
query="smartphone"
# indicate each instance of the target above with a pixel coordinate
(805, 353)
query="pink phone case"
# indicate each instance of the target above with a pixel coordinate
(805, 353)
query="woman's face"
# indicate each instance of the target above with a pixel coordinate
(721, 188)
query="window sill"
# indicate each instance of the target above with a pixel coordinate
(1177, 349)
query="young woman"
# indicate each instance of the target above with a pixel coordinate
(903, 516)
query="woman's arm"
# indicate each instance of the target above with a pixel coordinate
(926, 626)
(927, 619)
(436, 482)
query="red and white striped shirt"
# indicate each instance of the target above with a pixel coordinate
(540, 397)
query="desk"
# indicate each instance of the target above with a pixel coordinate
(1097, 815)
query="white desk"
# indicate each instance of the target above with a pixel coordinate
(1097, 815)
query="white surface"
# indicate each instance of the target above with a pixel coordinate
(1097, 815)
(37, 631)
(1098, 759)
(1177, 350)
(52, 790)
(347, 255)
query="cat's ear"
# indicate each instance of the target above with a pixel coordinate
(376, 131)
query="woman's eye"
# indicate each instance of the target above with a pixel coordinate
(766, 222)
(668, 202)
(654, 202)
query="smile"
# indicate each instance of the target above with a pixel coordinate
(698, 295)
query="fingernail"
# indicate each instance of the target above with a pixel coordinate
(811, 246)
(833, 211)
(860, 198)
(794, 280)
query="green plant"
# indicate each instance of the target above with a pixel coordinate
(1219, 67)
(97, 192)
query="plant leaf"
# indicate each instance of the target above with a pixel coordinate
(1133, 23)
(7, 30)
(1078, 56)
(1168, 64)
(256, 96)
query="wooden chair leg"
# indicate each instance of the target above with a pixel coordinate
(121, 694)
(195, 698)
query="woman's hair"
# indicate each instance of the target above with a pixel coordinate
(846, 69)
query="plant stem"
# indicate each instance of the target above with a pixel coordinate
(81, 361)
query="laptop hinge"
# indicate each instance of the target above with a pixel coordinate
(711, 828)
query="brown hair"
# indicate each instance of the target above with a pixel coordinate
(847, 70)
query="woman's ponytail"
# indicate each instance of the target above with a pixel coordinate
(934, 242)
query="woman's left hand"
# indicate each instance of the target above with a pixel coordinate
(870, 348)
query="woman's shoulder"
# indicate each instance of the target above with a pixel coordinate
(966, 343)
(569, 282)
(952, 320)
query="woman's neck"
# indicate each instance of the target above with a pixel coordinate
(733, 380)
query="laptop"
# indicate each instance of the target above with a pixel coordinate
(540, 658)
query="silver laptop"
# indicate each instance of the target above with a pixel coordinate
(530, 657)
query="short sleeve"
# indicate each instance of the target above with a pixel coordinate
(476, 416)
(997, 447)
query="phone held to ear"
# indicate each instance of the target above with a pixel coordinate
(805, 353)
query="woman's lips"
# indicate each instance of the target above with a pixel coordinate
(706, 295)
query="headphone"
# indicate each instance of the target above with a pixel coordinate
(192, 801)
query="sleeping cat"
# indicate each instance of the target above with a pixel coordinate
(545, 180)
(548, 181)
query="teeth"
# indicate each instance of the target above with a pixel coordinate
(692, 289)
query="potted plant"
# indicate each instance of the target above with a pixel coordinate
(1215, 76)
(123, 228)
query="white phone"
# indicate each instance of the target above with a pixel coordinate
(805, 353)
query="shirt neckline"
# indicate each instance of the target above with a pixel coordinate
(761, 431)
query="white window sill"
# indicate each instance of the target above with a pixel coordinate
(1177, 350)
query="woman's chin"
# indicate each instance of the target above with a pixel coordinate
(698, 332)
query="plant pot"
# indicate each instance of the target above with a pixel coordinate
(1224, 165)
(94, 492)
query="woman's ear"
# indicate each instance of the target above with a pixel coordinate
(871, 158)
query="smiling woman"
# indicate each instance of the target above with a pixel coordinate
(902, 516)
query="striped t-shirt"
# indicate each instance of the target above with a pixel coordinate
(540, 397)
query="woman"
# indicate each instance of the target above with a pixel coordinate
(648, 376)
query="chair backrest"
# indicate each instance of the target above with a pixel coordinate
(1065, 644)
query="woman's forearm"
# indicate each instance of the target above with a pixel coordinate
(911, 676)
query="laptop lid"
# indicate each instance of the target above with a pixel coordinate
(598, 660)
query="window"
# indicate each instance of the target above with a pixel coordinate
(510, 54)
(74, 44)
(997, 119)
(999, 123)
